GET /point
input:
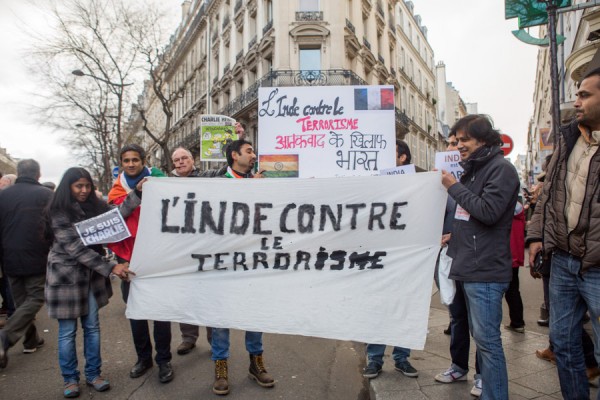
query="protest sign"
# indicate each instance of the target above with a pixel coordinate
(105, 228)
(326, 131)
(449, 161)
(401, 170)
(348, 259)
(215, 132)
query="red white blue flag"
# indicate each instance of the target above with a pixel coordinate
(374, 98)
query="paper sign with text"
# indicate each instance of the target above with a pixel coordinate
(105, 228)
(449, 161)
(326, 131)
(401, 170)
(348, 259)
(216, 131)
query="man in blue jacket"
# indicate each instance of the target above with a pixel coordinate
(480, 247)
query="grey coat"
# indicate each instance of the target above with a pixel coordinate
(74, 269)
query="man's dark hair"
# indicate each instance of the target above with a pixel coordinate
(28, 168)
(236, 146)
(133, 147)
(403, 149)
(479, 127)
(594, 72)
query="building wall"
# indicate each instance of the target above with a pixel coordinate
(225, 49)
(7, 164)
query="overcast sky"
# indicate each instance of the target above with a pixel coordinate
(483, 61)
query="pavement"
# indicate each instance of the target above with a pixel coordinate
(529, 377)
(304, 367)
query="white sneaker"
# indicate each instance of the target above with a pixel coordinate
(450, 375)
(476, 390)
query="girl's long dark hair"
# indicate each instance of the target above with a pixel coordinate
(63, 200)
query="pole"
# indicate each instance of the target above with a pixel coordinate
(551, 8)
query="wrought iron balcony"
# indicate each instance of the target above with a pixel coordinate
(350, 26)
(268, 26)
(332, 77)
(366, 43)
(252, 42)
(225, 22)
(238, 6)
(309, 16)
(391, 25)
(380, 8)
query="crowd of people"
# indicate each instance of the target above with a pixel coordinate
(44, 261)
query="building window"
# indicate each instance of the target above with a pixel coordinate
(309, 5)
(310, 60)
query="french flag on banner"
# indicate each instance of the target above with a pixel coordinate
(374, 98)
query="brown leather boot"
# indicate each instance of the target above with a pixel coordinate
(221, 386)
(258, 372)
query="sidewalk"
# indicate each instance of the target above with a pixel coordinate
(529, 377)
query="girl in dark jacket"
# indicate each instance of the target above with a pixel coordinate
(77, 277)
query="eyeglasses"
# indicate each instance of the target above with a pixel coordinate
(182, 158)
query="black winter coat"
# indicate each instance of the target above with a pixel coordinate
(24, 244)
(480, 247)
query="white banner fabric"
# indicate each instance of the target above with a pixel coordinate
(341, 258)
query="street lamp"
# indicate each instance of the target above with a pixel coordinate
(79, 72)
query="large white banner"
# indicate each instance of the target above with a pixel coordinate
(325, 131)
(348, 259)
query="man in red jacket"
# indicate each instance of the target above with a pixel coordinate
(132, 163)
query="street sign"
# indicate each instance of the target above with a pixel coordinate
(115, 172)
(530, 12)
(507, 144)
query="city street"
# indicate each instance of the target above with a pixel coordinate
(303, 367)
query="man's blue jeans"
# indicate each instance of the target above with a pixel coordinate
(67, 350)
(375, 354)
(570, 295)
(484, 304)
(220, 343)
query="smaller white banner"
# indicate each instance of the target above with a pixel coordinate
(105, 228)
(449, 161)
(401, 170)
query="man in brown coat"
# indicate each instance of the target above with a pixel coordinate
(566, 223)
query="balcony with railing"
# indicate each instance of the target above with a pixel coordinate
(350, 26)
(252, 42)
(226, 21)
(366, 43)
(238, 6)
(267, 27)
(332, 77)
(309, 16)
